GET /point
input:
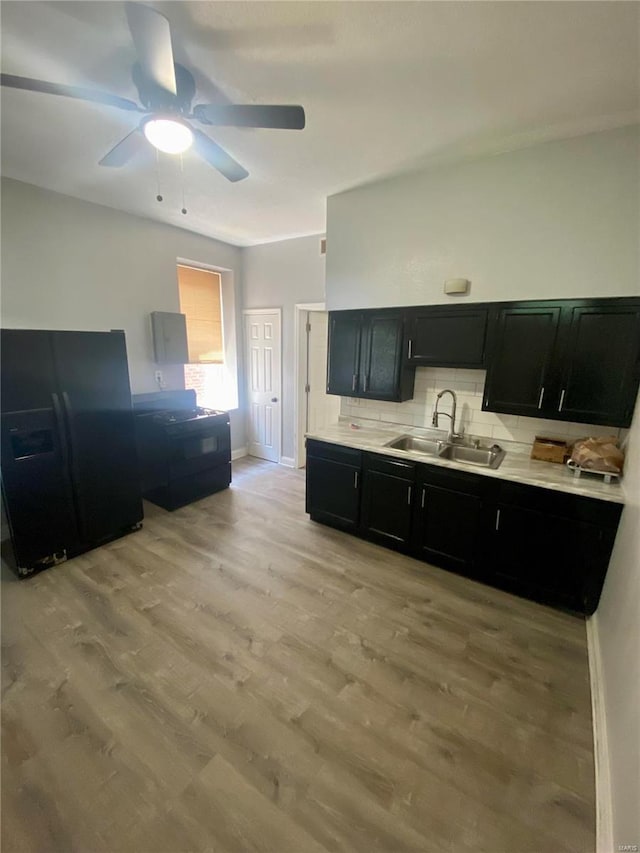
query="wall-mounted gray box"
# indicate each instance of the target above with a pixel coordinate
(169, 338)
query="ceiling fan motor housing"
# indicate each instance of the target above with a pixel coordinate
(157, 99)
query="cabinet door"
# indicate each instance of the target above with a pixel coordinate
(387, 507)
(343, 354)
(452, 337)
(333, 492)
(552, 558)
(601, 370)
(521, 377)
(382, 342)
(448, 528)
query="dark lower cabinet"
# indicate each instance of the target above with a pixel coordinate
(449, 513)
(387, 500)
(551, 546)
(333, 484)
(540, 543)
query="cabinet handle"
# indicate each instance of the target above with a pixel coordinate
(409, 490)
(424, 491)
(409, 348)
(497, 519)
(355, 479)
(541, 397)
(354, 379)
(561, 400)
(364, 384)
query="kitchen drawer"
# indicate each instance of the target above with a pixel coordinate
(461, 481)
(605, 514)
(334, 452)
(388, 465)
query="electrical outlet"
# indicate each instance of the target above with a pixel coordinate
(159, 379)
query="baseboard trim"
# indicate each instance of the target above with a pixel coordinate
(288, 461)
(604, 810)
(239, 452)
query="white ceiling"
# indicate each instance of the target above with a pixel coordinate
(387, 87)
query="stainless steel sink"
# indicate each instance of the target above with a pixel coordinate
(415, 444)
(483, 456)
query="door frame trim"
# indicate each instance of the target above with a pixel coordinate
(247, 312)
(604, 803)
(299, 378)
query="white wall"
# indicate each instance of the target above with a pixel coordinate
(553, 220)
(618, 633)
(279, 275)
(70, 264)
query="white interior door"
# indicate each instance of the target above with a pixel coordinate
(321, 409)
(263, 345)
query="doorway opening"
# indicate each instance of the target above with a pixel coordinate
(314, 408)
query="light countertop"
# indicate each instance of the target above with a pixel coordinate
(517, 465)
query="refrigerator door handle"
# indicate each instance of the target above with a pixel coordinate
(75, 477)
(64, 447)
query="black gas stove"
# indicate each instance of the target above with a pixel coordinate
(184, 450)
(189, 415)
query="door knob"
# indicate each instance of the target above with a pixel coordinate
(274, 399)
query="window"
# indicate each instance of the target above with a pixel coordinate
(201, 303)
(207, 300)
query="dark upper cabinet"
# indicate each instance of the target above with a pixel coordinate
(449, 510)
(365, 356)
(383, 373)
(343, 354)
(601, 364)
(567, 360)
(521, 374)
(333, 484)
(387, 500)
(447, 336)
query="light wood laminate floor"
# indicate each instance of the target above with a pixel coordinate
(237, 678)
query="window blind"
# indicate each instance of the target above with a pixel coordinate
(201, 303)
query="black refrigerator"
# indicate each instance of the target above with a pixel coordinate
(69, 466)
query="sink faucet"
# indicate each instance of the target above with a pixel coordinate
(452, 434)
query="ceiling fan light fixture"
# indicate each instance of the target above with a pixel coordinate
(168, 134)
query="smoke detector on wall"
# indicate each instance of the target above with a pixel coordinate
(457, 286)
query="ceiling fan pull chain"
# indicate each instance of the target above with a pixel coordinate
(184, 209)
(158, 196)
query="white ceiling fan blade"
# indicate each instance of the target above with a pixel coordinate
(151, 33)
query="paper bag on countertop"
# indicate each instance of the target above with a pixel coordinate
(598, 454)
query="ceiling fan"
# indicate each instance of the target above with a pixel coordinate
(166, 90)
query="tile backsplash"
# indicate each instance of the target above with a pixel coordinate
(469, 388)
